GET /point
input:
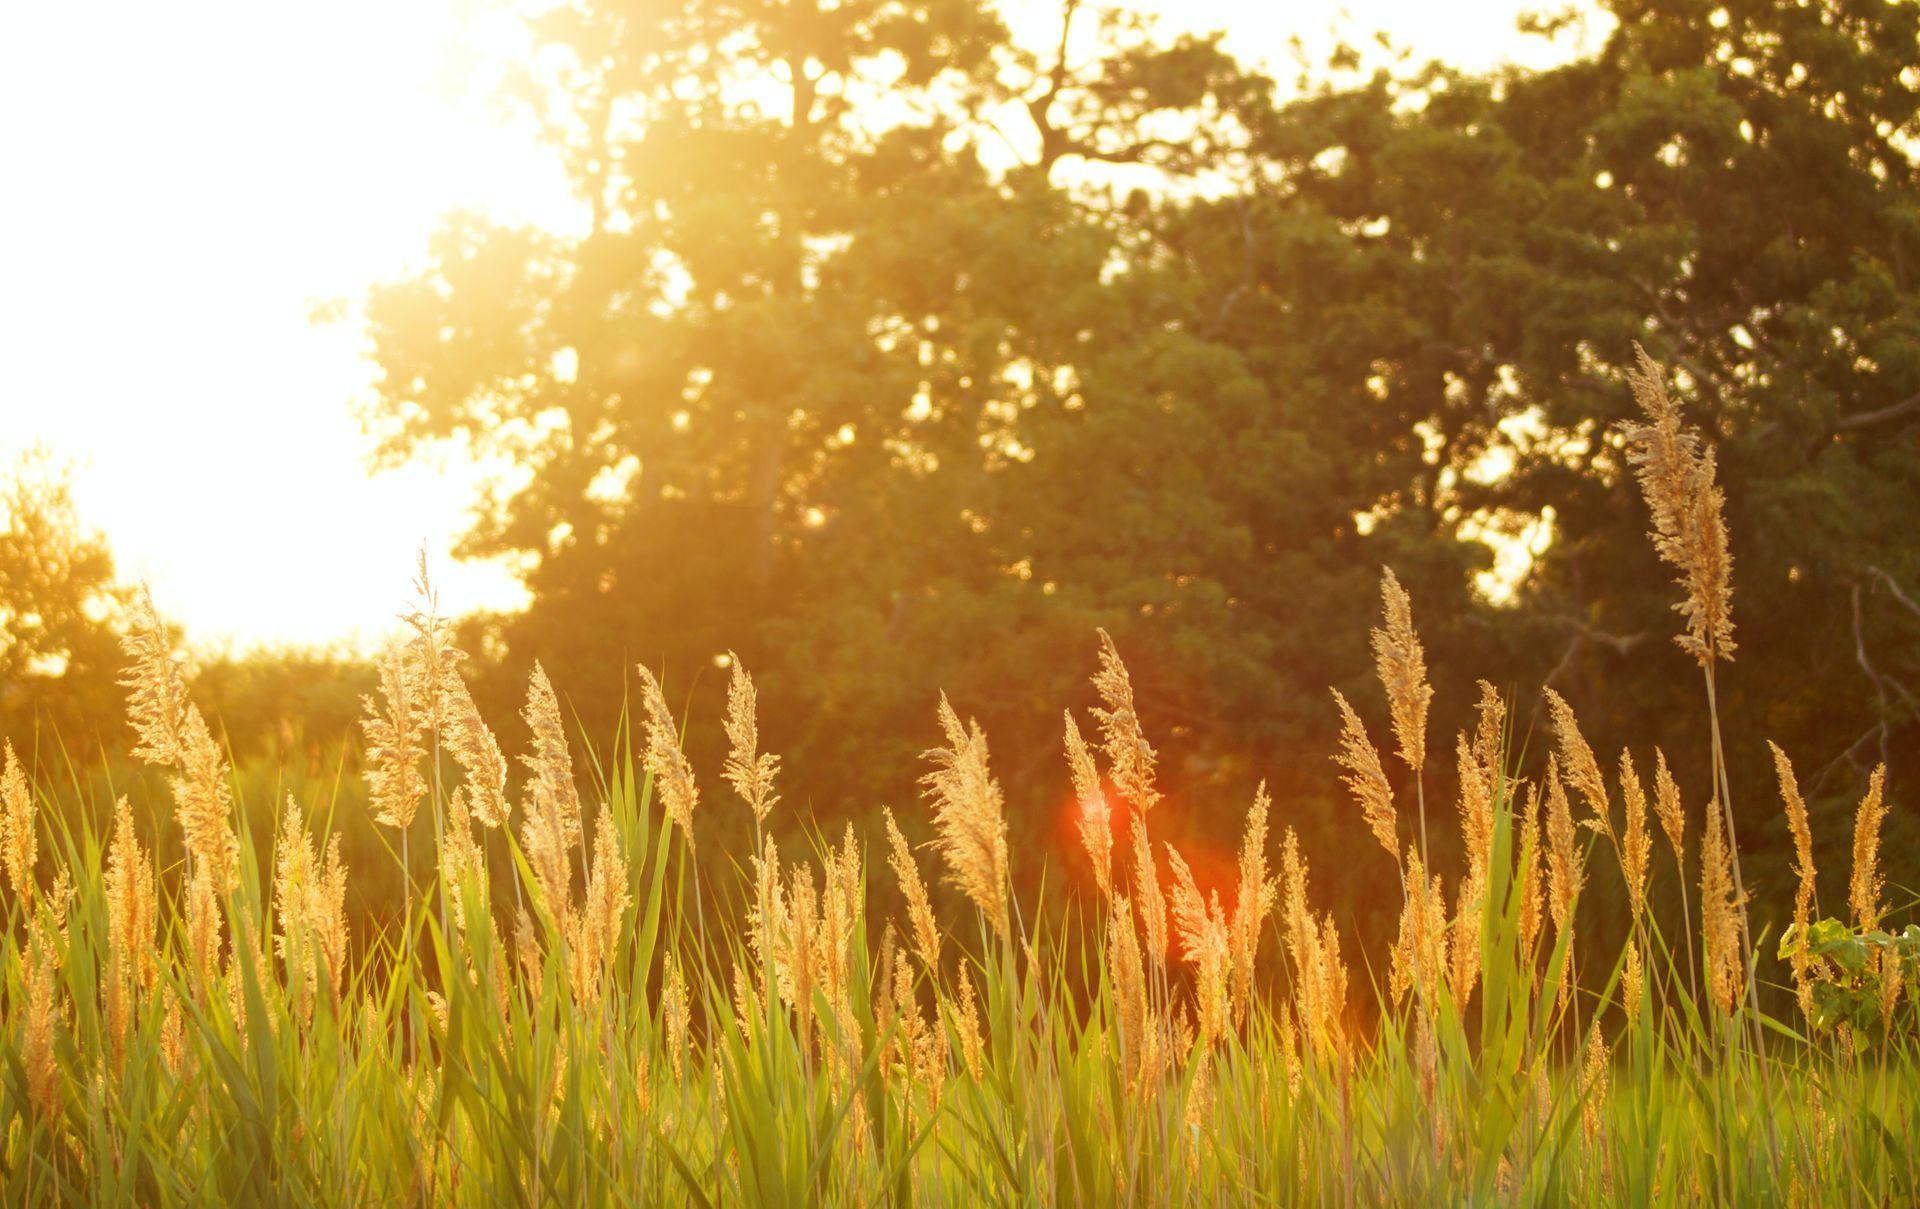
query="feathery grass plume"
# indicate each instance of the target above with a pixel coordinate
(45, 1010)
(19, 845)
(672, 775)
(205, 921)
(1465, 942)
(1152, 904)
(173, 734)
(552, 827)
(1133, 1017)
(1636, 842)
(1419, 957)
(1666, 807)
(395, 784)
(1489, 733)
(1891, 984)
(132, 911)
(767, 913)
(748, 769)
(1095, 818)
(1593, 1085)
(1689, 529)
(795, 950)
(1366, 778)
(840, 907)
(1254, 899)
(1804, 894)
(475, 749)
(1320, 978)
(968, 816)
(1564, 875)
(926, 933)
(675, 1015)
(1202, 929)
(966, 1022)
(1576, 759)
(1130, 758)
(1402, 666)
(1719, 915)
(593, 931)
(310, 899)
(1476, 811)
(1532, 872)
(1863, 891)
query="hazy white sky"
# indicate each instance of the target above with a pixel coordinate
(184, 180)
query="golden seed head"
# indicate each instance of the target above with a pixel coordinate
(1402, 666)
(748, 769)
(1476, 809)
(973, 1048)
(1254, 899)
(173, 734)
(1564, 875)
(593, 931)
(132, 905)
(19, 844)
(551, 828)
(1130, 757)
(1096, 815)
(45, 1008)
(1577, 762)
(968, 816)
(475, 749)
(1666, 807)
(1532, 871)
(672, 775)
(1366, 778)
(1803, 899)
(1719, 915)
(1489, 735)
(395, 784)
(926, 933)
(1689, 526)
(1151, 903)
(1636, 842)
(1863, 891)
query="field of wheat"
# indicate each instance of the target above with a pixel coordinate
(566, 1016)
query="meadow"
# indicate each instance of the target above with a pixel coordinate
(571, 1010)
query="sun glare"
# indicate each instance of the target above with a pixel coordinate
(199, 176)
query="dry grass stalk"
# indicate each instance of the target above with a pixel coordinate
(1676, 475)
(1419, 958)
(748, 769)
(1476, 811)
(1565, 877)
(1402, 666)
(551, 828)
(1581, 770)
(1593, 1086)
(310, 903)
(1489, 734)
(966, 1022)
(132, 913)
(173, 734)
(1863, 891)
(45, 1009)
(1532, 876)
(1253, 901)
(1366, 778)
(1150, 902)
(1320, 977)
(1095, 819)
(1130, 758)
(968, 816)
(1804, 899)
(1202, 928)
(1720, 915)
(19, 844)
(1667, 808)
(920, 920)
(395, 784)
(672, 775)
(1138, 1033)
(593, 931)
(1636, 842)
(475, 749)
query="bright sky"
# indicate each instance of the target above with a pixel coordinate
(185, 180)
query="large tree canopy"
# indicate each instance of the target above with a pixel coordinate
(873, 365)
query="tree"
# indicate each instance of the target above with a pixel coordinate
(59, 606)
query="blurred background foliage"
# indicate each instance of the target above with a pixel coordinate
(898, 356)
